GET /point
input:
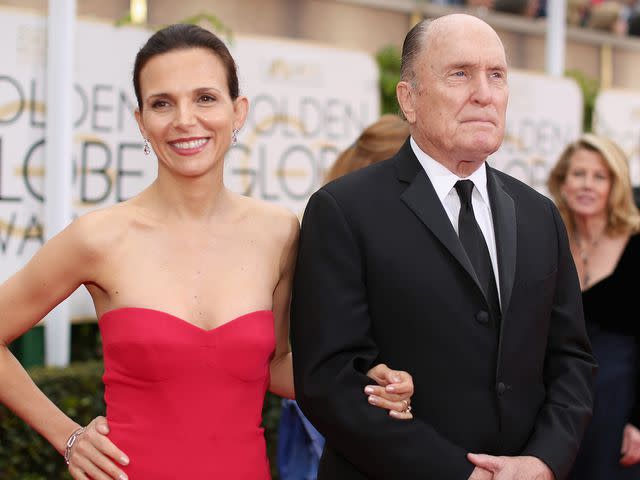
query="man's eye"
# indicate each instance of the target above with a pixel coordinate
(159, 104)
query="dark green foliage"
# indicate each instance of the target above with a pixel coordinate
(590, 88)
(86, 342)
(24, 454)
(270, 422)
(388, 59)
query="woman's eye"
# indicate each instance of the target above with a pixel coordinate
(207, 98)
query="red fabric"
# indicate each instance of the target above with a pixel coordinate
(183, 402)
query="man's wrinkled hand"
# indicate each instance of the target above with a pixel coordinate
(512, 468)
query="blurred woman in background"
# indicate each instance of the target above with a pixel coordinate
(379, 141)
(590, 183)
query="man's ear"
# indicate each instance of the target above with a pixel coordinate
(405, 93)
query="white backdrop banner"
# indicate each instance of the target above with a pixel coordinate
(308, 102)
(617, 115)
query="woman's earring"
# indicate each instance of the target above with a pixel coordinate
(234, 138)
(147, 147)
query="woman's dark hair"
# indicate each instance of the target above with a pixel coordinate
(182, 37)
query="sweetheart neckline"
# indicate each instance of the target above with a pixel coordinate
(182, 320)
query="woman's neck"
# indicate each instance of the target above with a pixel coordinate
(189, 198)
(589, 229)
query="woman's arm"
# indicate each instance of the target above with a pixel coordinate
(281, 364)
(54, 272)
(394, 388)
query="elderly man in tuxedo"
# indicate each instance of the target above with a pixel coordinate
(438, 264)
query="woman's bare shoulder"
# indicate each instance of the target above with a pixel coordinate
(100, 230)
(272, 218)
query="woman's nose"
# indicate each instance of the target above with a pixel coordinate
(185, 116)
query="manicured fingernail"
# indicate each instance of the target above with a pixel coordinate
(368, 390)
(123, 477)
(373, 400)
(124, 460)
(396, 378)
(390, 388)
(393, 413)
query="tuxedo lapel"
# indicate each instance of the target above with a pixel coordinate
(423, 201)
(504, 224)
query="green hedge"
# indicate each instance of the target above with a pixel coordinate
(78, 391)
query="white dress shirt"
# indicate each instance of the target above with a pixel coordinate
(443, 181)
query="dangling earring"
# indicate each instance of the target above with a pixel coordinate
(147, 147)
(234, 138)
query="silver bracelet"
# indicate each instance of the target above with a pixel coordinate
(71, 442)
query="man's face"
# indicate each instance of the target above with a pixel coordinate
(460, 93)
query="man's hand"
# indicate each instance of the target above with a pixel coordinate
(512, 468)
(630, 446)
(481, 474)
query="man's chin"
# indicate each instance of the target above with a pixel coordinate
(482, 149)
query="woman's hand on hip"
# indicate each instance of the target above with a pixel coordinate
(94, 456)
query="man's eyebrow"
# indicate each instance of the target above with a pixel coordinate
(461, 65)
(468, 65)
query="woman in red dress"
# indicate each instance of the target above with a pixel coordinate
(191, 284)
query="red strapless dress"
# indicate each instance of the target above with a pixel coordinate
(184, 402)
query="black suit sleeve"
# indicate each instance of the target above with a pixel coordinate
(333, 349)
(568, 372)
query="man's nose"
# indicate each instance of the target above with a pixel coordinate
(482, 92)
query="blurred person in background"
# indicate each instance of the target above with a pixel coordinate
(527, 8)
(299, 443)
(591, 186)
(191, 283)
(379, 141)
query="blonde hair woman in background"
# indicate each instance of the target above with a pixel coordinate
(591, 186)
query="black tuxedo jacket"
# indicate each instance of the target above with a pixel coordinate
(382, 277)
